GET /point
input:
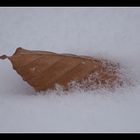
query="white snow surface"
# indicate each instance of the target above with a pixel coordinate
(112, 33)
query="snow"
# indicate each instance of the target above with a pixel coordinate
(112, 33)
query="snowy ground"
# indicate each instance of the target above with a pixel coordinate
(112, 33)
